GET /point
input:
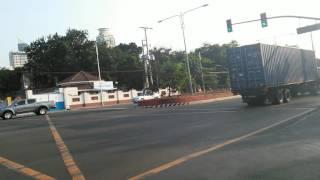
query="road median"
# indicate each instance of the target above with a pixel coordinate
(188, 99)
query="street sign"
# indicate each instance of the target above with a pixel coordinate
(310, 28)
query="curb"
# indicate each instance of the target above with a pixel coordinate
(151, 104)
(215, 100)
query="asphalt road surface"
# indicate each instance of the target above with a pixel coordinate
(222, 140)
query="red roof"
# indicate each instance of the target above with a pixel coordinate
(79, 77)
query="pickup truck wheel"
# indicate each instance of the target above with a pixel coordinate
(7, 115)
(42, 111)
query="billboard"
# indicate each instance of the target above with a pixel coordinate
(105, 85)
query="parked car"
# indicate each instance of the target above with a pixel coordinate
(26, 106)
(146, 95)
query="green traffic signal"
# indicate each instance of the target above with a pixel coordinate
(264, 22)
(229, 25)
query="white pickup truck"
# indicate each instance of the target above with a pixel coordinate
(146, 95)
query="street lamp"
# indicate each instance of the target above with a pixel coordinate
(117, 91)
(181, 17)
(98, 64)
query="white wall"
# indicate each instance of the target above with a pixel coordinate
(55, 96)
(71, 96)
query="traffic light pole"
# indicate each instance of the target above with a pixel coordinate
(277, 17)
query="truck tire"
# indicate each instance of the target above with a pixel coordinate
(313, 91)
(42, 111)
(287, 96)
(278, 97)
(7, 115)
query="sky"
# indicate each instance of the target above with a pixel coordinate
(29, 20)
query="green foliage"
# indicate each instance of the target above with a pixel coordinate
(170, 70)
(56, 57)
(9, 82)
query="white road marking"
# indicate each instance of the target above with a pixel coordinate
(213, 148)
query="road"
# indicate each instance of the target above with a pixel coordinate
(221, 140)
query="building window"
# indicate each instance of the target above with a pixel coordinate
(111, 96)
(111, 91)
(75, 99)
(94, 98)
(125, 95)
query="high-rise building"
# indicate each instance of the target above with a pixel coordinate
(22, 46)
(105, 37)
(18, 58)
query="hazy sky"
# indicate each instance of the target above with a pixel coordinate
(28, 20)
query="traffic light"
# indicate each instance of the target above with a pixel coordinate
(229, 25)
(264, 22)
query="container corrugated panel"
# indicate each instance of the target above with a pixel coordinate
(246, 67)
(260, 65)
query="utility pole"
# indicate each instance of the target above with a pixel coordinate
(147, 60)
(146, 81)
(201, 69)
(186, 52)
(311, 37)
(181, 17)
(98, 63)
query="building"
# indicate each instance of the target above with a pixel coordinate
(22, 47)
(105, 37)
(17, 59)
(86, 82)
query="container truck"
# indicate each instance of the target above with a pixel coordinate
(263, 73)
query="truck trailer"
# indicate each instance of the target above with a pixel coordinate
(263, 73)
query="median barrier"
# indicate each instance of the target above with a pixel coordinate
(181, 100)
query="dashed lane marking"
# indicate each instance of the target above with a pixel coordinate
(24, 170)
(69, 162)
(213, 148)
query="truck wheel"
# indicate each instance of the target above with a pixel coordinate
(278, 97)
(287, 96)
(7, 115)
(42, 111)
(313, 91)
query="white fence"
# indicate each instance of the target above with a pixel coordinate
(71, 97)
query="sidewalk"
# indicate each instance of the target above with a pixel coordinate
(124, 106)
(115, 106)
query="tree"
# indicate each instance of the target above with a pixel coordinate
(217, 55)
(9, 82)
(50, 57)
(57, 57)
(170, 69)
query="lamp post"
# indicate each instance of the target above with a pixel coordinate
(117, 91)
(181, 17)
(98, 64)
(26, 90)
